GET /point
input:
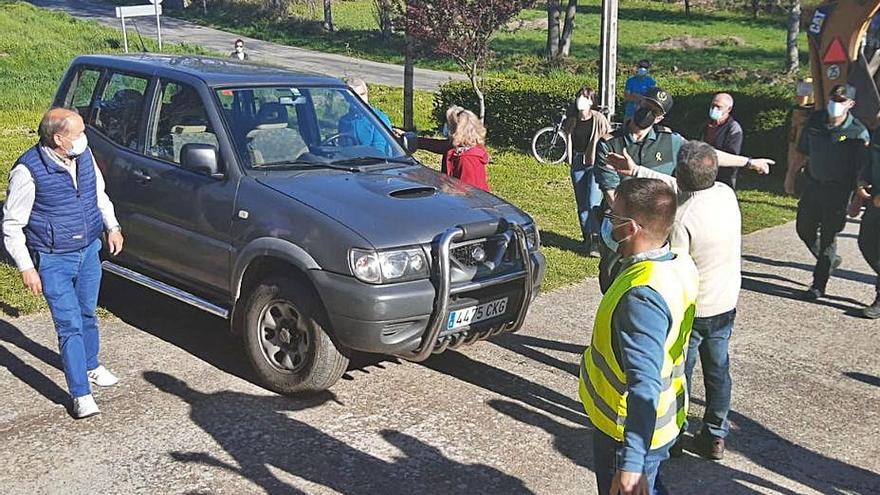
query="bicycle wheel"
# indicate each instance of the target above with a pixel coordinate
(549, 145)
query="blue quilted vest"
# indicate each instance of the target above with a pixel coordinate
(64, 218)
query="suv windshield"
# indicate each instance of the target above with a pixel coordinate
(281, 127)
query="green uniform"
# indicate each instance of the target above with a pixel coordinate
(836, 155)
(869, 231)
(657, 151)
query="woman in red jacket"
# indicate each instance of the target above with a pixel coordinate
(468, 157)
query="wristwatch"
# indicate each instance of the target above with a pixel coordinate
(748, 162)
(115, 228)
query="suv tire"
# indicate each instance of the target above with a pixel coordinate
(285, 341)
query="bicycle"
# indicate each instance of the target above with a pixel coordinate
(549, 144)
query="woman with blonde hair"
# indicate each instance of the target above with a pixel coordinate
(442, 146)
(583, 129)
(467, 159)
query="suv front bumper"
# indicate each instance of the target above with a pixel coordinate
(396, 318)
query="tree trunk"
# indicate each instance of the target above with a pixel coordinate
(756, 6)
(474, 77)
(408, 85)
(328, 16)
(568, 28)
(552, 29)
(793, 29)
(687, 7)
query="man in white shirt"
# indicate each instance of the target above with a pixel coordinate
(708, 226)
(55, 213)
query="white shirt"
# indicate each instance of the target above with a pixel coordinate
(20, 203)
(708, 226)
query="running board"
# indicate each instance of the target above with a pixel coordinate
(165, 289)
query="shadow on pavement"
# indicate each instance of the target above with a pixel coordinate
(262, 438)
(527, 346)
(11, 335)
(862, 377)
(844, 274)
(750, 282)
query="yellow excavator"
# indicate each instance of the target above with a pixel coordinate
(844, 43)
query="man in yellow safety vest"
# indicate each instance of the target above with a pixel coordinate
(632, 380)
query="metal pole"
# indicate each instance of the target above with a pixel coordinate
(124, 35)
(608, 57)
(158, 25)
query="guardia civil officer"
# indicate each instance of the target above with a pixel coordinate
(632, 378)
(643, 142)
(55, 212)
(836, 145)
(867, 194)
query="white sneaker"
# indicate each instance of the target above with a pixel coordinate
(85, 406)
(102, 377)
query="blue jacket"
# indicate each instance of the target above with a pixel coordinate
(640, 324)
(64, 218)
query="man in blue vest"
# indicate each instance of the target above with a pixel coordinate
(55, 212)
(632, 377)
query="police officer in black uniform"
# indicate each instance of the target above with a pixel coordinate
(836, 145)
(644, 142)
(867, 194)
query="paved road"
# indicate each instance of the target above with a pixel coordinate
(179, 31)
(498, 417)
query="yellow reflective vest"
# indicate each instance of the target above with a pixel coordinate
(603, 384)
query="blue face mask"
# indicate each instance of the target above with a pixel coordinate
(446, 130)
(606, 230)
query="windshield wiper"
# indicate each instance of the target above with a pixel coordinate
(303, 163)
(369, 160)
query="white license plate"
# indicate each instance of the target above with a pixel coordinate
(466, 316)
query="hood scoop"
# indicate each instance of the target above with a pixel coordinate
(413, 192)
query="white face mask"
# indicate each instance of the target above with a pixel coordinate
(715, 114)
(78, 146)
(239, 49)
(836, 109)
(584, 103)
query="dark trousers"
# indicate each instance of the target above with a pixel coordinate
(821, 215)
(869, 240)
(727, 175)
(605, 459)
(710, 338)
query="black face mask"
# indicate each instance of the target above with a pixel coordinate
(644, 118)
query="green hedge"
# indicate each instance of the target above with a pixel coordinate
(516, 107)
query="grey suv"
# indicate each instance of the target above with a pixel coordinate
(280, 202)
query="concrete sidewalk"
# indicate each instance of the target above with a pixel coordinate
(179, 31)
(496, 417)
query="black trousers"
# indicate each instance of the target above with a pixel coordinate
(869, 241)
(821, 215)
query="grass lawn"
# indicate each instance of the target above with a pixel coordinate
(737, 40)
(37, 46)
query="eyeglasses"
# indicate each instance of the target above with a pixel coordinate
(616, 218)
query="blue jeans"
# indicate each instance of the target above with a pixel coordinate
(587, 195)
(70, 284)
(605, 462)
(710, 337)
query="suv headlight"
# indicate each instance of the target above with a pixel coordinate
(397, 265)
(533, 237)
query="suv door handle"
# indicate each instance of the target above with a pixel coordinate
(142, 175)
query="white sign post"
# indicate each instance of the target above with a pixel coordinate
(155, 8)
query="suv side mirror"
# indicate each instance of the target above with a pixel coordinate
(201, 159)
(410, 142)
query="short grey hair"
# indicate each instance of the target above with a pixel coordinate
(357, 84)
(55, 121)
(697, 166)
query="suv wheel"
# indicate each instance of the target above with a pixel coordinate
(285, 341)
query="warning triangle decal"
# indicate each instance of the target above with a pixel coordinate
(835, 54)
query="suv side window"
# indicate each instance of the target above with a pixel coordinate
(118, 113)
(180, 118)
(81, 90)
